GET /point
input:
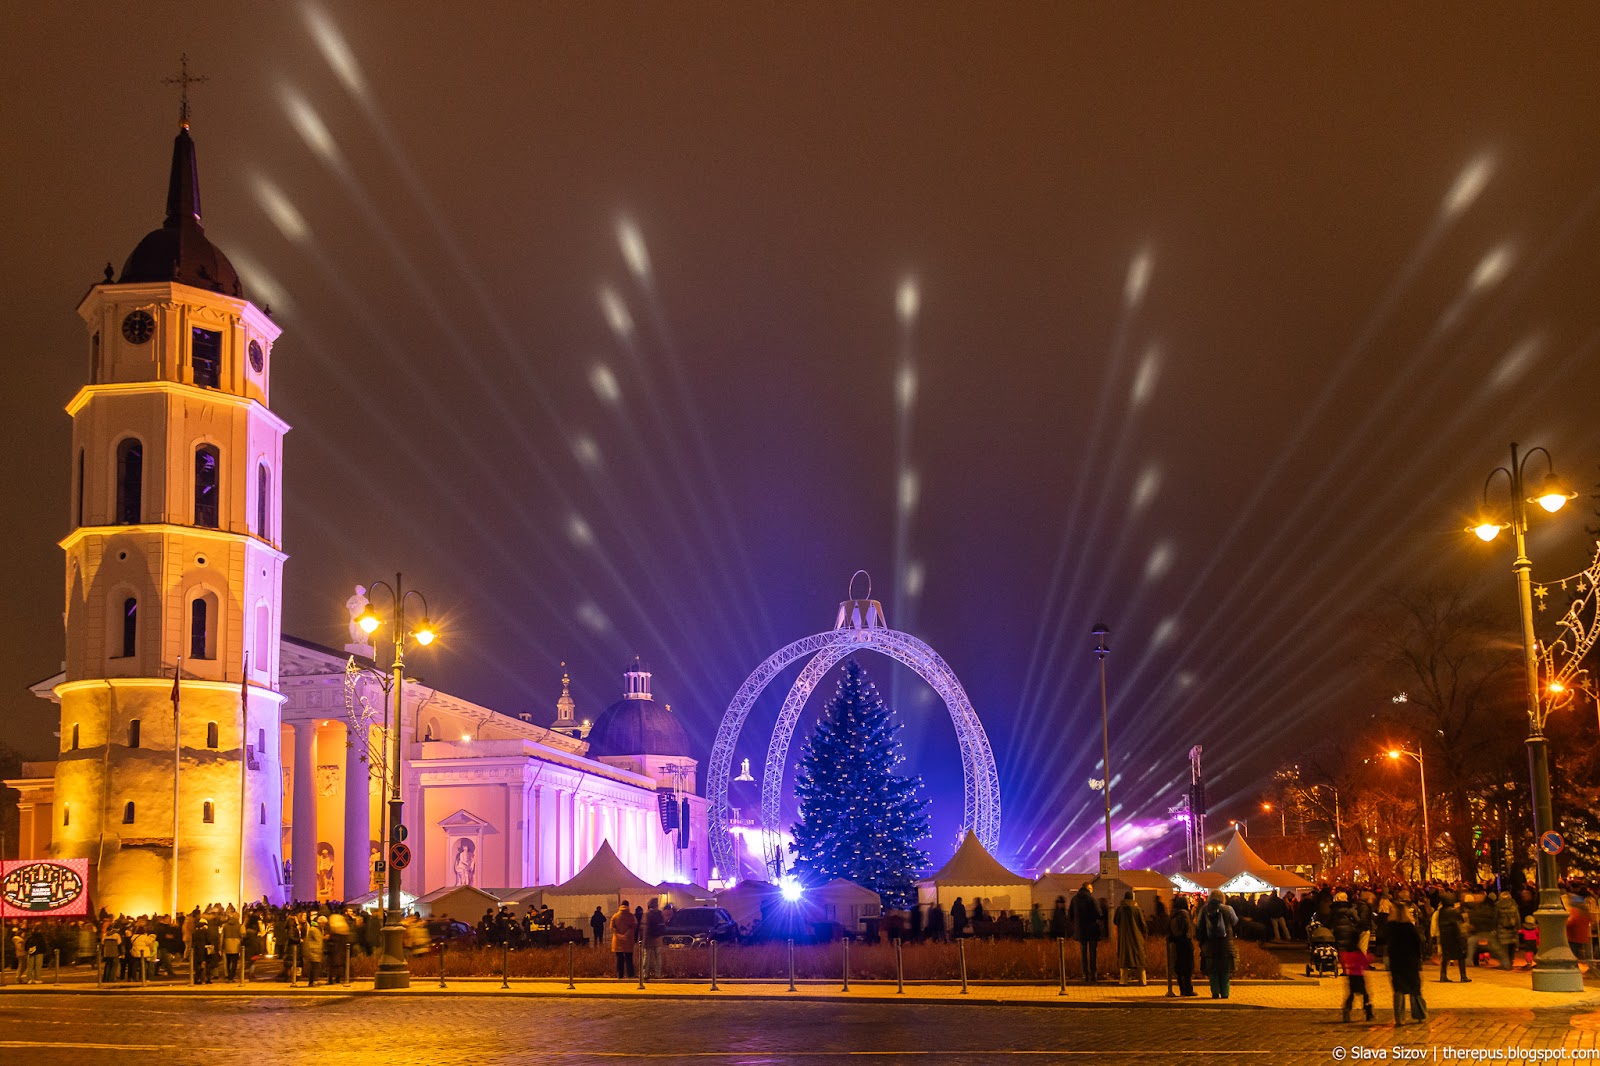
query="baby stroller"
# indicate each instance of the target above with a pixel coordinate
(1323, 958)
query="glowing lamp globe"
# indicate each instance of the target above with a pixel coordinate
(369, 621)
(1487, 531)
(425, 633)
(1554, 495)
(1394, 754)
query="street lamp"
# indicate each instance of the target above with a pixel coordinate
(1555, 969)
(1241, 825)
(1283, 818)
(1100, 632)
(393, 972)
(1422, 774)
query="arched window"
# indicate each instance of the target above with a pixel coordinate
(78, 521)
(133, 733)
(208, 812)
(127, 813)
(66, 814)
(202, 612)
(130, 482)
(263, 814)
(211, 734)
(74, 736)
(207, 463)
(130, 627)
(263, 626)
(263, 511)
(205, 350)
(261, 742)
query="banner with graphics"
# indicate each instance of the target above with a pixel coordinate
(44, 888)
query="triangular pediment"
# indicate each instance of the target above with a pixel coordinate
(465, 820)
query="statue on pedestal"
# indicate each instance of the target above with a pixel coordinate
(357, 605)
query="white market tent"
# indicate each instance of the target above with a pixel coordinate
(685, 895)
(603, 883)
(463, 903)
(744, 901)
(972, 873)
(1240, 870)
(846, 903)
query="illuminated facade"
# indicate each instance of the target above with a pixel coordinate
(266, 783)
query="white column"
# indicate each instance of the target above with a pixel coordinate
(303, 840)
(357, 815)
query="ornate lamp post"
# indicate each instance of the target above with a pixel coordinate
(1108, 858)
(1555, 969)
(392, 969)
(1422, 774)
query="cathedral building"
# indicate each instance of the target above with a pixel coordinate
(205, 756)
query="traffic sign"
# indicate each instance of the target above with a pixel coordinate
(380, 866)
(400, 832)
(400, 855)
(1552, 843)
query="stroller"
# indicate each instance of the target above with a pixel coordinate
(1323, 958)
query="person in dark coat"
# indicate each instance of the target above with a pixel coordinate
(1058, 919)
(958, 919)
(1180, 946)
(1215, 925)
(935, 922)
(1451, 926)
(1405, 964)
(597, 922)
(205, 950)
(915, 931)
(1346, 929)
(1084, 914)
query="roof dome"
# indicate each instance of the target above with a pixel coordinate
(180, 250)
(637, 725)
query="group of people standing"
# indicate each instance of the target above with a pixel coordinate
(632, 927)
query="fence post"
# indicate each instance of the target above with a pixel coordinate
(638, 957)
(56, 964)
(441, 964)
(348, 981)
(294, 963)
(505, 964)
(1061, 963)
(961, 951)
(570, 985)
(846, 942)
(1172, 954)
(791, 966)
(713, 964)
(899, 969)
(141, 969)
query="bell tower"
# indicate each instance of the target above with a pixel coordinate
(174, 567)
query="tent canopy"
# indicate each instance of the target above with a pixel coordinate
(605, 875)
(464, 903)
(973, 865)
(1239, 869)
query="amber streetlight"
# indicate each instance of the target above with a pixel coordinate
(1422, 773)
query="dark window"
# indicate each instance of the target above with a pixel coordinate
(94, 358)
(133, 733)
(66, 816)
(127, 813)
(208, 813)
(130, 627)
(263, 481)
(130, 482)
(74, 736)
(261, 740)
(199, 616)
(206, 352)
(263, 814)
(79, 520)
(207, 460)
(211, 734)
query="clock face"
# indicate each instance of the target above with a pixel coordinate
(138, 327)
(257, 358)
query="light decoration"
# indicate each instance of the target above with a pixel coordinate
(790, 888)
(1561, 660)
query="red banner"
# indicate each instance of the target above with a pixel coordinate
(44, 888)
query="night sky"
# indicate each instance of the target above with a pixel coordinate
(636, 329)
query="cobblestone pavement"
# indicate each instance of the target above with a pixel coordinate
(47, 1028)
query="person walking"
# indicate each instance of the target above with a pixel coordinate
(1180, 946)
(1215, 926)
(1450, 930)
(624, 929)
(144, 951)
(110, 953)
(1084, 914)
(958, 919)
(232, 936)
(1352, 958)
(936, 922)
(655, 927)
(203, 951)
(1507, 919)
(34, 947)
(1058, 919)
(1129, 922)
(316, 940)
(1405, 964)
(597, 922)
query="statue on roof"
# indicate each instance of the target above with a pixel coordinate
(357, 605)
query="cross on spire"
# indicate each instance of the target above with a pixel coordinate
(183, 81)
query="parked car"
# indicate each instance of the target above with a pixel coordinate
(697, 926)
(448, 931)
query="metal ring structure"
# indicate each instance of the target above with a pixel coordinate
(981, 809)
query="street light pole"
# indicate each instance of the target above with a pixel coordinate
(393, 971)
(1422, 774)
(1555, 969)
(1100, 633)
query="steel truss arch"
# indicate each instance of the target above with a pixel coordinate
(981, 807)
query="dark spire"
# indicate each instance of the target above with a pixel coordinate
(183, 186)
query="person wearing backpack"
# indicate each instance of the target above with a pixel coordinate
(1180, 946)
(1216, 924)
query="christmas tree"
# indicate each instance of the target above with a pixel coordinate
(858, 818)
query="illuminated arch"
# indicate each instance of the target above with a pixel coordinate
(860, 628)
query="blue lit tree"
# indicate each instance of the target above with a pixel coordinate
(858, 818)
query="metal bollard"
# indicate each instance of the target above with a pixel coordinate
(961, 951)
(899, 970)
(791, 966)
(1172, 955)
(141, 969)
(713, 964)
(294, 963)
(441, 964)
(846, 964)
(505, 965)
(1061, 952)
(638, 963)
(570, 985)
(56, 965)
(347, 980)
